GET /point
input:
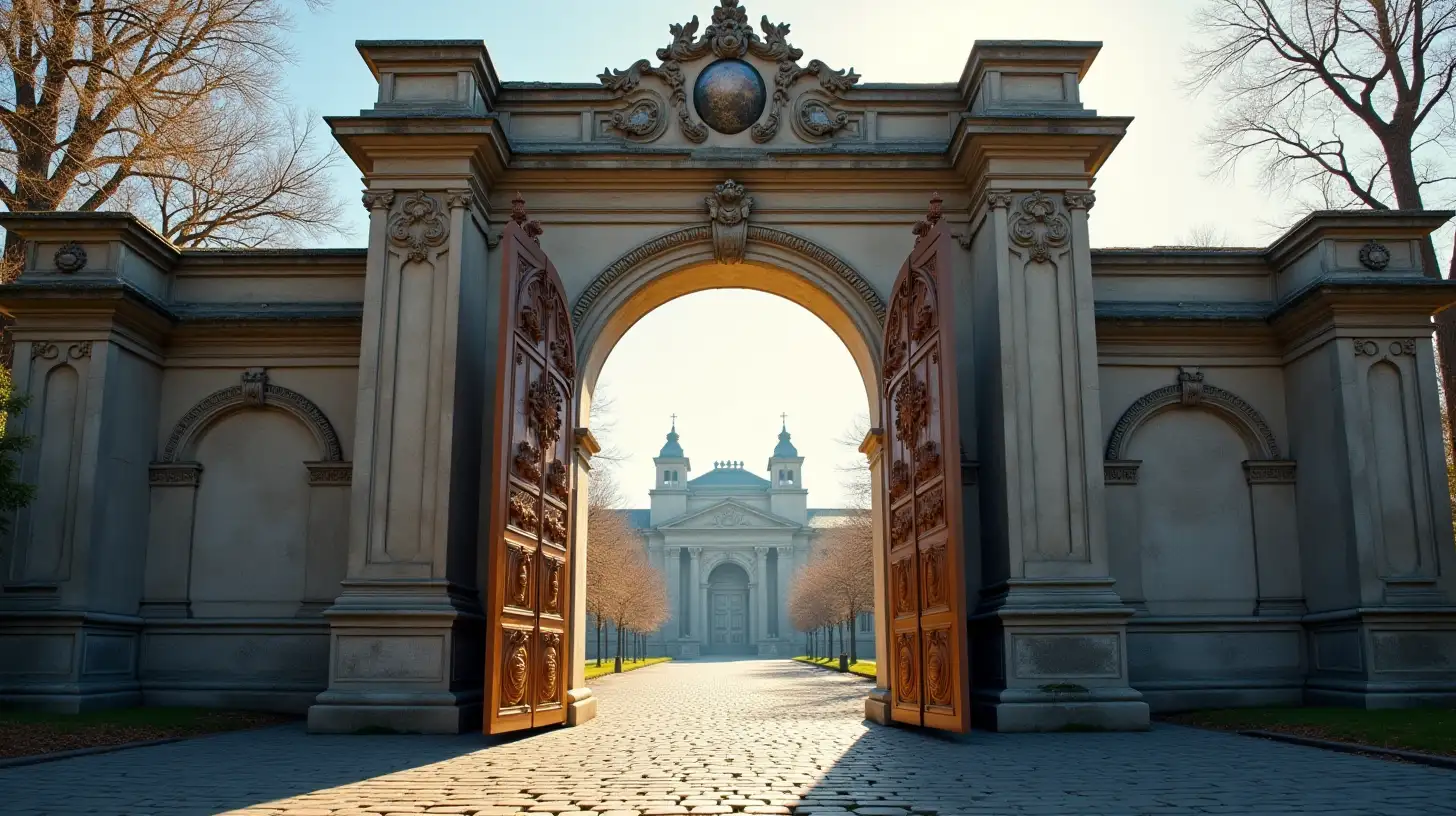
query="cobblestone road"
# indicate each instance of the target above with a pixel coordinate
(709, 738)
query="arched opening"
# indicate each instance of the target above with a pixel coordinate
(721, 605)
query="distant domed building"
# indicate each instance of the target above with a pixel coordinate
(729, 543)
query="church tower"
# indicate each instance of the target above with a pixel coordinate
(786, 495)
(670, 496)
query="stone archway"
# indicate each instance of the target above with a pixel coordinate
(728, 623)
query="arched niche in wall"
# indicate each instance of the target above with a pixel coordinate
(1200, 505)
(250, 502)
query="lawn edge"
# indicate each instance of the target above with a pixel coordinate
(834, 669)
(659, 662)
(36, 759)
(1434, 760)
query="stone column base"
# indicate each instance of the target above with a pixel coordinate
(768, 648)
(404, 656)
(877, 706)
(1051, 655)
(68, 661)
(583, 706)
(1021, 710)
(689, 650)
(1382, 657)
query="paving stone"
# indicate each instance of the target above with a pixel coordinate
(701, 738)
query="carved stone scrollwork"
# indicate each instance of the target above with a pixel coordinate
(177, 474)
(1038, 227)
(728, 209)
(1079, 199)
(517, 668)
(728, 37)
(44, 351)
(378, 199)
(642, 119)
(1374, 256)
(1190, 386)
(1276, 472)
(1375, 348)
(420, 227)
(1120, 472)
(815, 120)
(70, 258)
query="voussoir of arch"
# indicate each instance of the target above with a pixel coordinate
(1245, 418)
(223, 402)
(702, 233)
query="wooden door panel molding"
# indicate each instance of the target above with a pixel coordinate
(529, 534)
(930, 679)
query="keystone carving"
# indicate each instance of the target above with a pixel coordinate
(254, 383)
(728, 209)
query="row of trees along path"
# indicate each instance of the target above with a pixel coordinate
(622, 586)
(837, 585)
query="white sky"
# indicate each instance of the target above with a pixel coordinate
(727, 384)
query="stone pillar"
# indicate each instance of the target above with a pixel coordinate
(692, 607)
(328, 540)
(409, 608)
(760, 605)
(1276, 536)
(169, 547)
(1050, 641)
(582, 704)
(1125, 554)
(673, 629)
(877, 704)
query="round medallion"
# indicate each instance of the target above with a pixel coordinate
(1374, 256)
(729, 96)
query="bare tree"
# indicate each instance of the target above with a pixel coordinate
(610, 544)
(1347, 100)
(167, 108)
(1204, 235)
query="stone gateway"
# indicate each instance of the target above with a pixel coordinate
(351, 482)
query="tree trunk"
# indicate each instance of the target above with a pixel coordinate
(601, 646)
(617, 666)
(830, 632)
(853, 639)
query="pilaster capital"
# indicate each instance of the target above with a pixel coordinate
(695, 553)
(1120, 471)
(378, 199)
(1269, 471)
(761, 552)
(174, 474)
(873, 445)
(459, 199)
(1079, 199)
(998, 199)
(330, 474)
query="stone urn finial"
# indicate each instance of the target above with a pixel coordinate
(728, 209)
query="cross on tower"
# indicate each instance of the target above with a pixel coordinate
(674, 420)
(785, 419)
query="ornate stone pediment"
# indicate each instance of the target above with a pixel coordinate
(729, 515)
(729, 94)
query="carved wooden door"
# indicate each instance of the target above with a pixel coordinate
(929, 678)
(529, 572)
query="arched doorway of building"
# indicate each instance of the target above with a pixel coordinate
(728, 605)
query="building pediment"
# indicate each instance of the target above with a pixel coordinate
(729, 515)
(731, 86)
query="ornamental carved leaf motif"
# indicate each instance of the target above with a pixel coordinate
(553, 524)
(553, 587)
(556, 480)
(1039, 227)
(899, 479)
(520, 577)
(902, 525)
(517, 669)
(528, 461)
(523, 510)
(933, 583)
(543, 410)
(904, 588)
(912, 410)
(927, 461)
(932, 509)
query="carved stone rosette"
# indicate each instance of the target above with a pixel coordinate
(729, 36)
(728, 209)
(1039, 227)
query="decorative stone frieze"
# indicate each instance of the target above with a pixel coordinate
(1269, 472)
(1377, 348)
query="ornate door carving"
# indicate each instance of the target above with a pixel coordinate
(531, 487)
(929, 678)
